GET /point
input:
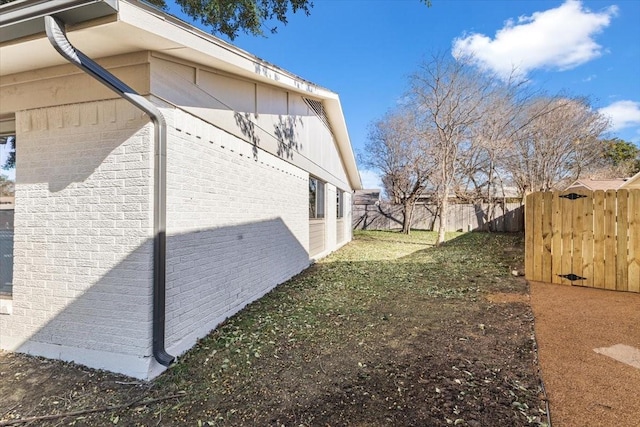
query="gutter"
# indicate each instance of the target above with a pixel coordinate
(56, 34)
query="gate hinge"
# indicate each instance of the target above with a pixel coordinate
(572, 277)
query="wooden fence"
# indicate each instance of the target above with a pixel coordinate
(584, 238)
(508, 217)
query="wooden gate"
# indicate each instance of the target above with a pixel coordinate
(584, 238)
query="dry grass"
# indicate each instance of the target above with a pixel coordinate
(387, 331)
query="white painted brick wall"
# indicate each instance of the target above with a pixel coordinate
(83, 250)
(237, 226)
(237, 222)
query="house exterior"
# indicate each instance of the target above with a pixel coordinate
(134, 233)
(632, 183)
(598, 184)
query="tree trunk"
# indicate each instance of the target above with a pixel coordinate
(442, 220)
(407, 218)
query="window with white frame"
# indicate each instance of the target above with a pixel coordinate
(316, 198)
(339, 204)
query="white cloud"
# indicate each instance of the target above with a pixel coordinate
(560, 38)
(370, 179)
(623, 114)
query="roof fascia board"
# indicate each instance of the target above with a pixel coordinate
(333, 110)
(23, 18)
(161, 24)
(630, 181)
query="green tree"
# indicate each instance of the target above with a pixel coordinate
(229, 17)
(6, 186)
(622, 154)
(10, 162)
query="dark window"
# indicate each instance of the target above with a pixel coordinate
(316, 198)
(340, 204)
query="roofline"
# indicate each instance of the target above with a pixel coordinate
(634, 178)
(23, 18)
(584, 182)
(263, 71)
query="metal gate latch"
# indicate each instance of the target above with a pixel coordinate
(573, 196)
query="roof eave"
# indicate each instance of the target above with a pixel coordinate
(154, 30)
(24, 18)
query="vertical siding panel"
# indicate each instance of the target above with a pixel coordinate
(316, 237)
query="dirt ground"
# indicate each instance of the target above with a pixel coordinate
(424, 338)
(586, 388)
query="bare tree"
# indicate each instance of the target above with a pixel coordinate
(447, 95)
(484, 177)
(558, 145)
(463, 133)
(394, 149)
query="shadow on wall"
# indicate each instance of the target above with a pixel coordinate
(284, 131)
(262, 119)
(248, 129)
(211, 274)
(51, 150)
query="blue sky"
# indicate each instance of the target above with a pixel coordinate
(365, 50)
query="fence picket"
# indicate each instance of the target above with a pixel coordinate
(529, 249)
(610, 240)
(578, 231)
(587, 240)
(566, 208)
(556, 239)
(596, 237)
(622, 271)
(538, 241)
(546, 217)
(633, 255)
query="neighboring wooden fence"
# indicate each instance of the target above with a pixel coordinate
(507, 217)
(584, 238)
